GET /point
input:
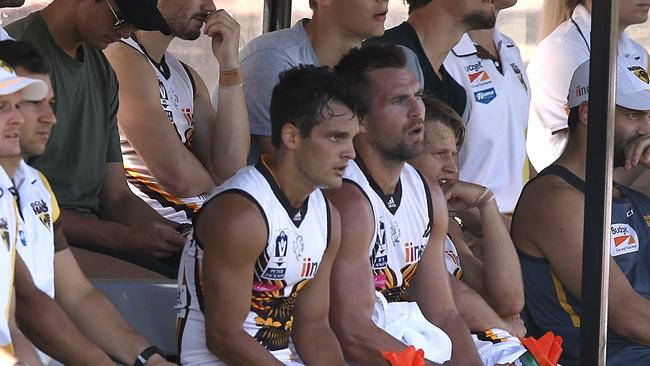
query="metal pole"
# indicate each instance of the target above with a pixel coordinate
(277, 15)
(598, 190)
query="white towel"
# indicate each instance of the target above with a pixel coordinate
(405, 321)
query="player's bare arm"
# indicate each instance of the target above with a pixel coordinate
(352, 285)
(234, 233)
(430, 286)
(311, 317)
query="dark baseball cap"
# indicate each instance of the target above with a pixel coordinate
(143, 14)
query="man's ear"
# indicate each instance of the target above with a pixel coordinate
(584, 113)
(290, 136)
(363, 125)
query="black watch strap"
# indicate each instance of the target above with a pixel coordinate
(146, 354)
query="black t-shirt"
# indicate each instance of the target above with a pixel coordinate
(447, 89)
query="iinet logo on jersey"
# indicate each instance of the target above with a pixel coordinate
(624, 240)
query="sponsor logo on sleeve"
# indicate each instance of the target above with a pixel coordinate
(624, 240)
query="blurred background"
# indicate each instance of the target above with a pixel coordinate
(521, 23)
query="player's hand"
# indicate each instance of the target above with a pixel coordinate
(461, 195)
(637, 152)
(224, 31)
(155, 239)
(515, 326)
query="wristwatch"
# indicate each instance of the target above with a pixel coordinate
(146, 354)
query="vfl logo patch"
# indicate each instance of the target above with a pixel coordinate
(485, 96)
(379, 257)
(624, 240)
(640, 73)
(277, 263)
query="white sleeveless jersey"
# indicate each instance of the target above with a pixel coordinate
(402, 227)
(297, 239)
(452, 260)
(9, 231)
(39, 211)
(177, 101)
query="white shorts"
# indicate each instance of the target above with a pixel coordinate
(194, 350)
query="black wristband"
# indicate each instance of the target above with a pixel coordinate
(146, 355)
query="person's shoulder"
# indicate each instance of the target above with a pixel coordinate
(30, 28)
(549, 198)
(287, 42)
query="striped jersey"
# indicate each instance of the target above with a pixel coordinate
(297, 239)
(402, 224)
(39, 212)
(177, 101)
(9, 232)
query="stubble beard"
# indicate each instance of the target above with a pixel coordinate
(480, 20)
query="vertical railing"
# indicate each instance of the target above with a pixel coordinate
(277, 15)
(598, 191)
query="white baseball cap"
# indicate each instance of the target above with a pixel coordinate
(31, 89)
(632, 86)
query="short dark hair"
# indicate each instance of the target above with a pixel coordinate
(574, 118)
(359, 61)
(437, 111)
(416, 4)
(23, 54)
(302, 97)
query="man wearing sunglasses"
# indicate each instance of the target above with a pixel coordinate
(82, 159)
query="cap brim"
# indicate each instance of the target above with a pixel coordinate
(639, 100)
(144, 15)
(30, 89)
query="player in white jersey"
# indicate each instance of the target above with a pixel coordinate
(44, 248)
(256, 285)
(37, 314)
(176, 146)
(393, 216)
(487, 288)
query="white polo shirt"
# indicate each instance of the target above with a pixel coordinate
(8, 234)
(40, 211)
(550, 70)
(494, 153)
